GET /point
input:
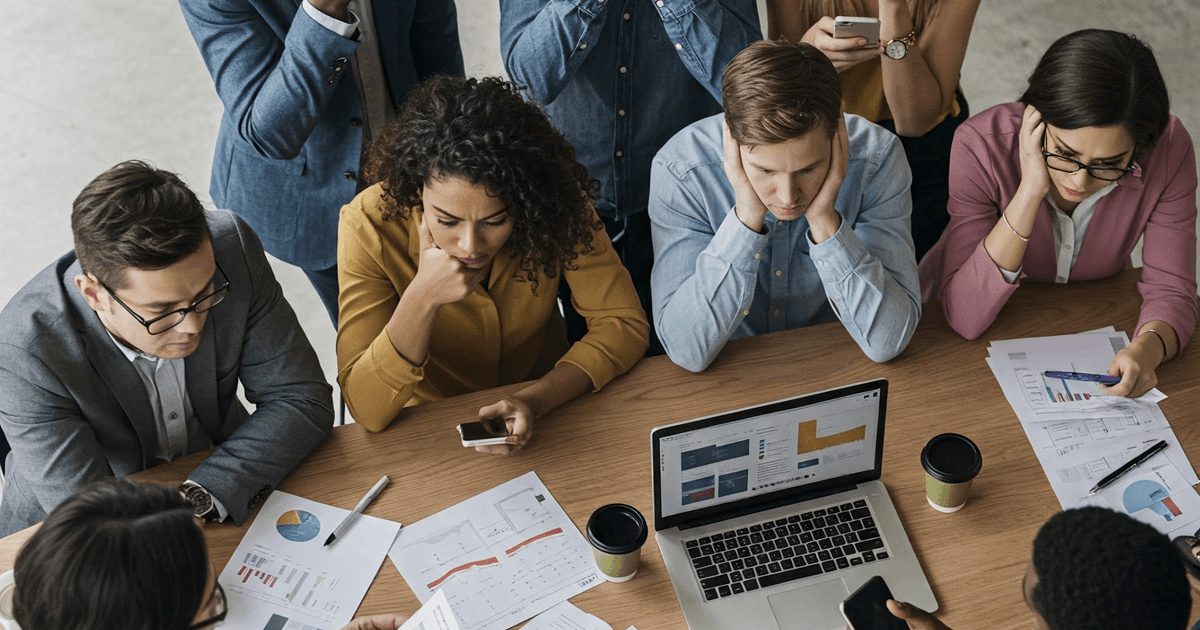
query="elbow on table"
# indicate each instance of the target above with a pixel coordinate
(885, 353)
(688, 359)
(969, 327)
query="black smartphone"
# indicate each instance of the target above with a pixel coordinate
(866, 608)
(475, 434)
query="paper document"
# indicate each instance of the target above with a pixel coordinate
(1080, 434)
(434, 614)
(501, 557)
(282, 577)
(566, 616)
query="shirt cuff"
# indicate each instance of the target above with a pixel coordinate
(1009, 276)
(222, 513)
(345, 29)
(837, 256)
(737, 244)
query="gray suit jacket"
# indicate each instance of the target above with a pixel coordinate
(75, 410)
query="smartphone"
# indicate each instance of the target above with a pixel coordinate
(1103, 379)
(866, 608)
(475, 434)
(846, 27)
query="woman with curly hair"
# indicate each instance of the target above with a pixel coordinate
(449, 267)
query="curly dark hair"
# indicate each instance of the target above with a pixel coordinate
(483, 131)
(1100, 569)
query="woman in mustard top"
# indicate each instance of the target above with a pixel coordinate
(449, 267)
(908, 83)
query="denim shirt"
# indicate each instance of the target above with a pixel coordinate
(715, 279)
(620, 77)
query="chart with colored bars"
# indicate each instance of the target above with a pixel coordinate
(499, 563)
(263, 576)
(808, 442)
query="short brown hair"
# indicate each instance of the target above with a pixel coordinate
(775, 91)
(135, 216)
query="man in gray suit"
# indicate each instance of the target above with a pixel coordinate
(127, 352)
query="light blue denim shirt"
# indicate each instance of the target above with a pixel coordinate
(715, 279)
(620, 77)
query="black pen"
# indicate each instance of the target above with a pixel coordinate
(1128, 466)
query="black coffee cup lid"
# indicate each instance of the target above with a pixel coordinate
(951, 458)
(617, 528)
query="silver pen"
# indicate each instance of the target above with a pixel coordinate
(358, 510)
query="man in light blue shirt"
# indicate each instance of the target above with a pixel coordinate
(781, 213)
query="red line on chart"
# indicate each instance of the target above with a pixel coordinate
(556, 530)
(462, 567)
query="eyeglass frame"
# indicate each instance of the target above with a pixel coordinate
(219, 617)
(1046, 155)
(182, 313)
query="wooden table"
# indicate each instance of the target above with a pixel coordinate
(596, 450)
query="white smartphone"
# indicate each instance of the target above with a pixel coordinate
(475, 434)
(867, 27)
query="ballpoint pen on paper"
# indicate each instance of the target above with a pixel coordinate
(1128, 466)
(1103, 379)
(358, 510)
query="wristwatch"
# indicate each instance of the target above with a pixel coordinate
(898, 48)
(201, 500)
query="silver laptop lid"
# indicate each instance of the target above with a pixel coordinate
(788, 450)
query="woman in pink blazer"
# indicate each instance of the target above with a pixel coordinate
(1060, 186)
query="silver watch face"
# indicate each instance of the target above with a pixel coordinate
(201, 501)
(896, 49)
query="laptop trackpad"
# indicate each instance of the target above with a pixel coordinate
(811, 607)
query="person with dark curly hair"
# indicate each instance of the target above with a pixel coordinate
(450, 266)
(1093, 568)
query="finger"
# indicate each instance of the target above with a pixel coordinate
(498, 449)
(844, 44)
(521, 428)
(425, 236)
(1129, 377)
(495, 410)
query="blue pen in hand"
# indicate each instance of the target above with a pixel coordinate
(1103, 379)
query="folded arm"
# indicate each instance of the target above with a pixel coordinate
(543, 42)
(708, 34)
(274, 88)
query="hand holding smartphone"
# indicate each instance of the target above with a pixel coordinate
(845, 27)
(476, 434)
(866, 608)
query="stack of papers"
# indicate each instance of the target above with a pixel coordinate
(1080, 435)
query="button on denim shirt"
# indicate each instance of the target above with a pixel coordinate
(715, 279)
(620, 77)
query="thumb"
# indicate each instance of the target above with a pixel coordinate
(425, 236)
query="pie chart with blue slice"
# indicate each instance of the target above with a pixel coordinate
(298, 526)
(1143, 494)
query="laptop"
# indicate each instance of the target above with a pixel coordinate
(768, 517)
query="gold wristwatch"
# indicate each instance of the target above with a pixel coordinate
(898, 48)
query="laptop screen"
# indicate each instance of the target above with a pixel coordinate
(737, 459)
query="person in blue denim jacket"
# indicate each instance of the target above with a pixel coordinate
(619, 78)
(782, 213)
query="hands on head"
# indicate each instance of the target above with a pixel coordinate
(1035, 175)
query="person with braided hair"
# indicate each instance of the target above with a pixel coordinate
(1093, 568)
(450, 266)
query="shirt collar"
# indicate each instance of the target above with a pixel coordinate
(130, 353)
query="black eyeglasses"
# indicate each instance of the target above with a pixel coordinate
(222, 605)
(163, 323)
(1067, 165)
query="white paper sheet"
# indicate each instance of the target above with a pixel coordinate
(1158, 496)
(502, 556)
(282, 577)
(434, 614)
(566, 616)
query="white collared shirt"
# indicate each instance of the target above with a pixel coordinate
(1069, 230)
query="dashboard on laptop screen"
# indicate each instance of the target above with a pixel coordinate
(725, 459)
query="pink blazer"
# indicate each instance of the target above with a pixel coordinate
(1159, 201)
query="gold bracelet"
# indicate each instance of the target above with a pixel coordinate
(1024, 239)
(1160, 340)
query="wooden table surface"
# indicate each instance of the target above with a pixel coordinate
(596, 450)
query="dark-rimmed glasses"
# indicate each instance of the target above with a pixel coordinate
(163, 323)
(222, 605)
(1067, 165)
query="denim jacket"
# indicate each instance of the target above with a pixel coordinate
(715, 279)
(620, 77)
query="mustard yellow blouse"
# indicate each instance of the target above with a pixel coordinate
(862, 93)
(498, 335)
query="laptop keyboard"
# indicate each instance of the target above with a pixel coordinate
(781, 550)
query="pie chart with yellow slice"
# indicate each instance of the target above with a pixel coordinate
(298, 526)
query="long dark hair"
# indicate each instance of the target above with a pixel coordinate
(1097, 78)
(117, 554)
(481, 130)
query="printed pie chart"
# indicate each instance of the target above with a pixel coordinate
(298, 526)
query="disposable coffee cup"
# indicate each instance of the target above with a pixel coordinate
(951, 461)
(617, 533)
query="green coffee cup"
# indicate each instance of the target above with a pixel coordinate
(617, 533)
(951, 462)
